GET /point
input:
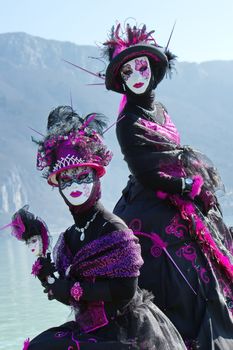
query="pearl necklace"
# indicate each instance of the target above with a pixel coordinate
(82, 229)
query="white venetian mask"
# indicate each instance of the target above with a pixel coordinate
(136, 74)
(35, 245)
(76, 184)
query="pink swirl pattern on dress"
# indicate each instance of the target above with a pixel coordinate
(158, 244)
(190, 254)
(135, 225)
(176, 228)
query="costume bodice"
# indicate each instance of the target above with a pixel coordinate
(166, 129)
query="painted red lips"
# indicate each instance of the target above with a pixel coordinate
(76, 194)
(138, 85)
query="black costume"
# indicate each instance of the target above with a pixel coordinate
(170, 201)
(98, 258)
(134, 322)
(196, 306)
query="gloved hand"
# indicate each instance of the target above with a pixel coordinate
(47, 267)
(59, 290)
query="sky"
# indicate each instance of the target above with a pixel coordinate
(203, 31)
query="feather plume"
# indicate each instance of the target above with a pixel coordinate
(132, 36)
(62, 120)
(171, 62)
(96, 122)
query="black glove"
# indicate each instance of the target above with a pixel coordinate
(59, 290)
(47, 269)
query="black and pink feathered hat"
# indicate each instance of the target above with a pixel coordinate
(125, 46)
(72, 142)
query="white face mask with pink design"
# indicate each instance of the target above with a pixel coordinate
(35, 245)
(76, 184)
(136, 74)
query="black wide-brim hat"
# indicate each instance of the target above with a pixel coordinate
(155, 54)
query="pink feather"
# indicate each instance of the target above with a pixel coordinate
(26, 344)
(196, 187)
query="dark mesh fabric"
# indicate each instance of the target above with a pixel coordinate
(138, 326)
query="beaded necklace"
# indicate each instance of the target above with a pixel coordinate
(153, 115)
(82, 229)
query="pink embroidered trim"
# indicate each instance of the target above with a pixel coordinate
(97, 313)
(76, 291)
(196, 187)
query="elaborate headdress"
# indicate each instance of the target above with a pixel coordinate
(134, 42)
(71, 142)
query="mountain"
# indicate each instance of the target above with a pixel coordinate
(34, 79)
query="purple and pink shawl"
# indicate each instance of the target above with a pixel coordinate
(117, 254)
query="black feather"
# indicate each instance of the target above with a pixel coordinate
(62, 120)
(171, 62)
(98, 123)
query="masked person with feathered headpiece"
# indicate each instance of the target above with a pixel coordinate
(169, 201)
(97, 258)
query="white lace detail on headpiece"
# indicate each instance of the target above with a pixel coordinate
(67, 161)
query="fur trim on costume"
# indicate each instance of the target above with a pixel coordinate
(204, 237)
(196, 187)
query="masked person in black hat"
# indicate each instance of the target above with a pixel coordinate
(169, 201)
(98, 257)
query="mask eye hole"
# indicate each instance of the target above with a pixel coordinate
(32, 241)
(143, 68)
(65, 178)
(126, 71)
(83, 175)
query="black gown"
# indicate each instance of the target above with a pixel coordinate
(186, 284)
(134, 322)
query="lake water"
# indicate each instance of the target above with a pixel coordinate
(25, 310)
